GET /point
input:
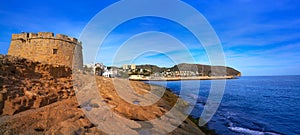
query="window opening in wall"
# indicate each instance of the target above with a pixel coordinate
(54, 51)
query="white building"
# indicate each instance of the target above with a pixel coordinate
(107, 74)
(110, 72)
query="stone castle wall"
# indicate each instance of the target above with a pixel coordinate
(46, 48)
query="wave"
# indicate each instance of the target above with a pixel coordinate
(250, 132)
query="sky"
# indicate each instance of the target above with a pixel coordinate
(257, 37)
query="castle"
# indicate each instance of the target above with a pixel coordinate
(46, 48)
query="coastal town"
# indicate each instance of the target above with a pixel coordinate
(145, 72)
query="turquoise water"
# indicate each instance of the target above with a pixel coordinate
(250, 105)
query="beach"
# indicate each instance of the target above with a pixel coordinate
(138, 78)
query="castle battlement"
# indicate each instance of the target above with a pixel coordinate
(24, 36)
(47, 48)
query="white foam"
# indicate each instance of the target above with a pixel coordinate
(250, 132)
(246, 131)
(270, 133)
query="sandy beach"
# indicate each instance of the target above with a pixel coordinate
(181, 78)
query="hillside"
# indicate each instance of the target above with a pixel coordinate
(152, 68)
(205, 70)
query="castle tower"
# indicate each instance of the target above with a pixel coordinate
(45, 48)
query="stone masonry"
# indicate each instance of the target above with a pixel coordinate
(46, 48)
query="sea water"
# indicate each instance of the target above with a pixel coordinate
(265, 105)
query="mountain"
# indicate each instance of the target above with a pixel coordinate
(205, 70)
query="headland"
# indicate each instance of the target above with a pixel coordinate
(38, 98)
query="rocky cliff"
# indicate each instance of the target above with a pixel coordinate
(25, 84)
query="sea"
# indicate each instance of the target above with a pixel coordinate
(254, 105)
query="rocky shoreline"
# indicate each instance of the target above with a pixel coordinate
(40, 99)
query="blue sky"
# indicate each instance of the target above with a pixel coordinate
(258, 37)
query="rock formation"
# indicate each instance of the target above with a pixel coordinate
(26, 84)
(37, 98)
